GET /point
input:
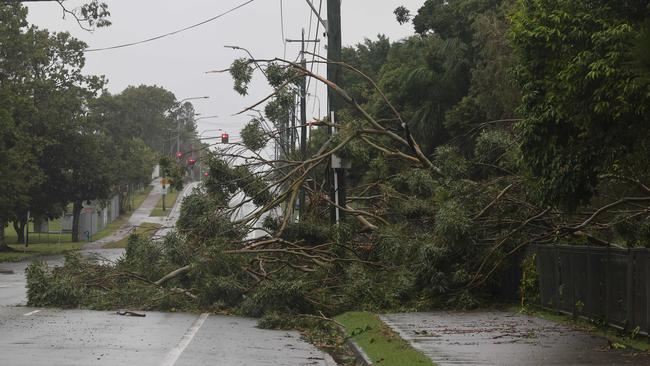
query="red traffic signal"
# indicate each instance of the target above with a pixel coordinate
(191, 162)
(179, 154)
(224, 138)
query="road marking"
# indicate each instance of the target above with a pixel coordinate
(176, 352)
(32, 312)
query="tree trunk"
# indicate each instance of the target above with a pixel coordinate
(124, 201)
(3, 242)
(76, 213)
(19, 226)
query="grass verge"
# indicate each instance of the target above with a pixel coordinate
(124, 218)
(141, 196)
(21, 252)
(379, 342)
(146, 229)
(616, 337)
(170, 200)
(55, 243)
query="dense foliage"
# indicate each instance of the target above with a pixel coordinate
(467, 141)
(64, 139)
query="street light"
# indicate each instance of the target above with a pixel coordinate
(201, 134)
(251, 55)
(207, 117)
(192, 98)
(178, 138)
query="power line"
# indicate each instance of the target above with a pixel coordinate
(313, 58)
(171, 33)
(284, 42)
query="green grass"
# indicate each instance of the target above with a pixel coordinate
(141, 196)
(169, 203)
(123, 219)
(615, 336)
(39, 238)
(21, 252)
(379, 342)
(146, 229)
(55, 243)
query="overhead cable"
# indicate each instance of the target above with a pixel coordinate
(171, 33)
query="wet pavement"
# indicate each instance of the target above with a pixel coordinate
(35, 337)
(502, 338)
(13, 291)
(169, 222)
(12, 275)
(138, 217)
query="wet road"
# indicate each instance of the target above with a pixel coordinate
(35, 337)
(501, 338)
(12, 283)
(12, 275)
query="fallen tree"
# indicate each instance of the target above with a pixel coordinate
(421, 231)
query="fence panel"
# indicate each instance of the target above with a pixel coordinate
(547, 283)
(595, 306)
(640, 289)
(607, 284)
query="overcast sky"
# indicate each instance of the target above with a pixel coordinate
(179, 62)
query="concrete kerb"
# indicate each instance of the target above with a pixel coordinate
(361, 357)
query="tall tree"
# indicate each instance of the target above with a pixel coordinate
(18, 170)
(586, 109)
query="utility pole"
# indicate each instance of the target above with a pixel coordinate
(303, 122)
(334, 74)
(303, 111)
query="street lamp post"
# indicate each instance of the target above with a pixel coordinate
(178, 138)
(207, 117)
(251, 56)
(201, 139)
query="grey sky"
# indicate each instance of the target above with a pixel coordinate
(179, 62)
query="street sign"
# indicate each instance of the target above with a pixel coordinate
(164, 191)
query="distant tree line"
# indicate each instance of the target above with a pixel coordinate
(64, 139)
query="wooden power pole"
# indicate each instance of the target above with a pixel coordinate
(334, 74)
(303, 112)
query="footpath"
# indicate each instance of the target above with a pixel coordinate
(139, 216)
(504, 338)
(12, 274)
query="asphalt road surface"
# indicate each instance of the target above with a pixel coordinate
(52, 337)
(35, 337)
(12, 277)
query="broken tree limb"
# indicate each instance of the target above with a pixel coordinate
(172, 274)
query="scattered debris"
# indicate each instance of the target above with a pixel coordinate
(130, 313)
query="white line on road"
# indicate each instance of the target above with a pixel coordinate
(176, 352)
(32, 312)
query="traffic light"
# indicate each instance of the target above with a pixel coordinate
(224, 138)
